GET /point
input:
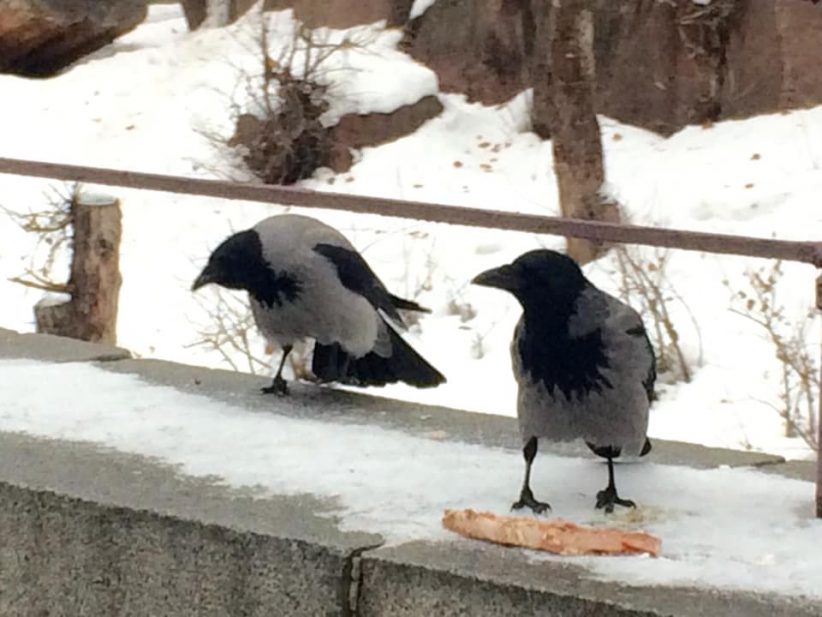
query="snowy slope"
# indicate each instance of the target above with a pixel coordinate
(148, 102)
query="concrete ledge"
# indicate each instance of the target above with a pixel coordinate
(90, 531)
(469, 578)
(64, 556)
(796, 470)
(56, 348)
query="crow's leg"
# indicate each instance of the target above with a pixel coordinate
(526, 497)
(279, 385)
(608, 497)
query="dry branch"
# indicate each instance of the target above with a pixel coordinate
(647, 279)
(799, 378)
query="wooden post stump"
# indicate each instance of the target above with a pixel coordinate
(94, 283)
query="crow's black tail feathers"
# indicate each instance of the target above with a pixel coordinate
(407, 305)
(333, 363)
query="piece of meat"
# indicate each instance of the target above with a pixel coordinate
(554, 535)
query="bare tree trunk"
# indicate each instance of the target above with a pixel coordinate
(94, 282)
(537, 47)
(571, 115)
(195, 12)
(819, 413)
(218, 12)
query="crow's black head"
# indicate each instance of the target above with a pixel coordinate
(238, 263)
(548, 284)
(541, 278)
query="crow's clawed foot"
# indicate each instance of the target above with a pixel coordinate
(278, 387)
(608, 498)
(526, 498)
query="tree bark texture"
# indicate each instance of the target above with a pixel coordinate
(575, 133)
(222, 12)
(195, 12)
(94, 281)
(537, 48)
(819, 413)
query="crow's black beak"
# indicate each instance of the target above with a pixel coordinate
(206, 276)
(503, 277)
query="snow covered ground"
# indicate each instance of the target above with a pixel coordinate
(148, 101)
(730, 528)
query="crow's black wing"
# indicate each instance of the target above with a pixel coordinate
(650, 378)
(355, 274)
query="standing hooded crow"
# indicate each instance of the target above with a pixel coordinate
(583, 362)
(305, 280)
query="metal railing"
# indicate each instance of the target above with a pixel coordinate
(809, 252)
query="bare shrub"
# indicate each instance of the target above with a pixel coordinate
(232, 333)
(644, 284)
(798, 369)
(280, 132)
(53, 229)
(464, 310)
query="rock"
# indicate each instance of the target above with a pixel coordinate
(196, 11)
(333, 147)
(344, 13)
(40, 37)
(660, 65)
(799, 30)
(753, 81)
(359, 130)
(476, 48)
(362, 130)
(666, 65)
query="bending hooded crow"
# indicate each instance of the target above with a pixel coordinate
(583, 362)
(305, 280)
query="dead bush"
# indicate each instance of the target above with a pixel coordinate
(798, 369)
(280, 133)
(644, 284)
(289, 143)
(52, 227)
(232, 334)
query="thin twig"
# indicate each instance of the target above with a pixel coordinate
(43, 286)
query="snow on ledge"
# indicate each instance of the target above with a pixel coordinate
(53, 298)
(730, 528)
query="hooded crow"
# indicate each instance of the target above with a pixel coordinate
(305, 280)
(583, 362)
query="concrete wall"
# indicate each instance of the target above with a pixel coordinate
(66, 556)
(89, 531)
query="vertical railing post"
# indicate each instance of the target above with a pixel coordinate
(819, 410)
